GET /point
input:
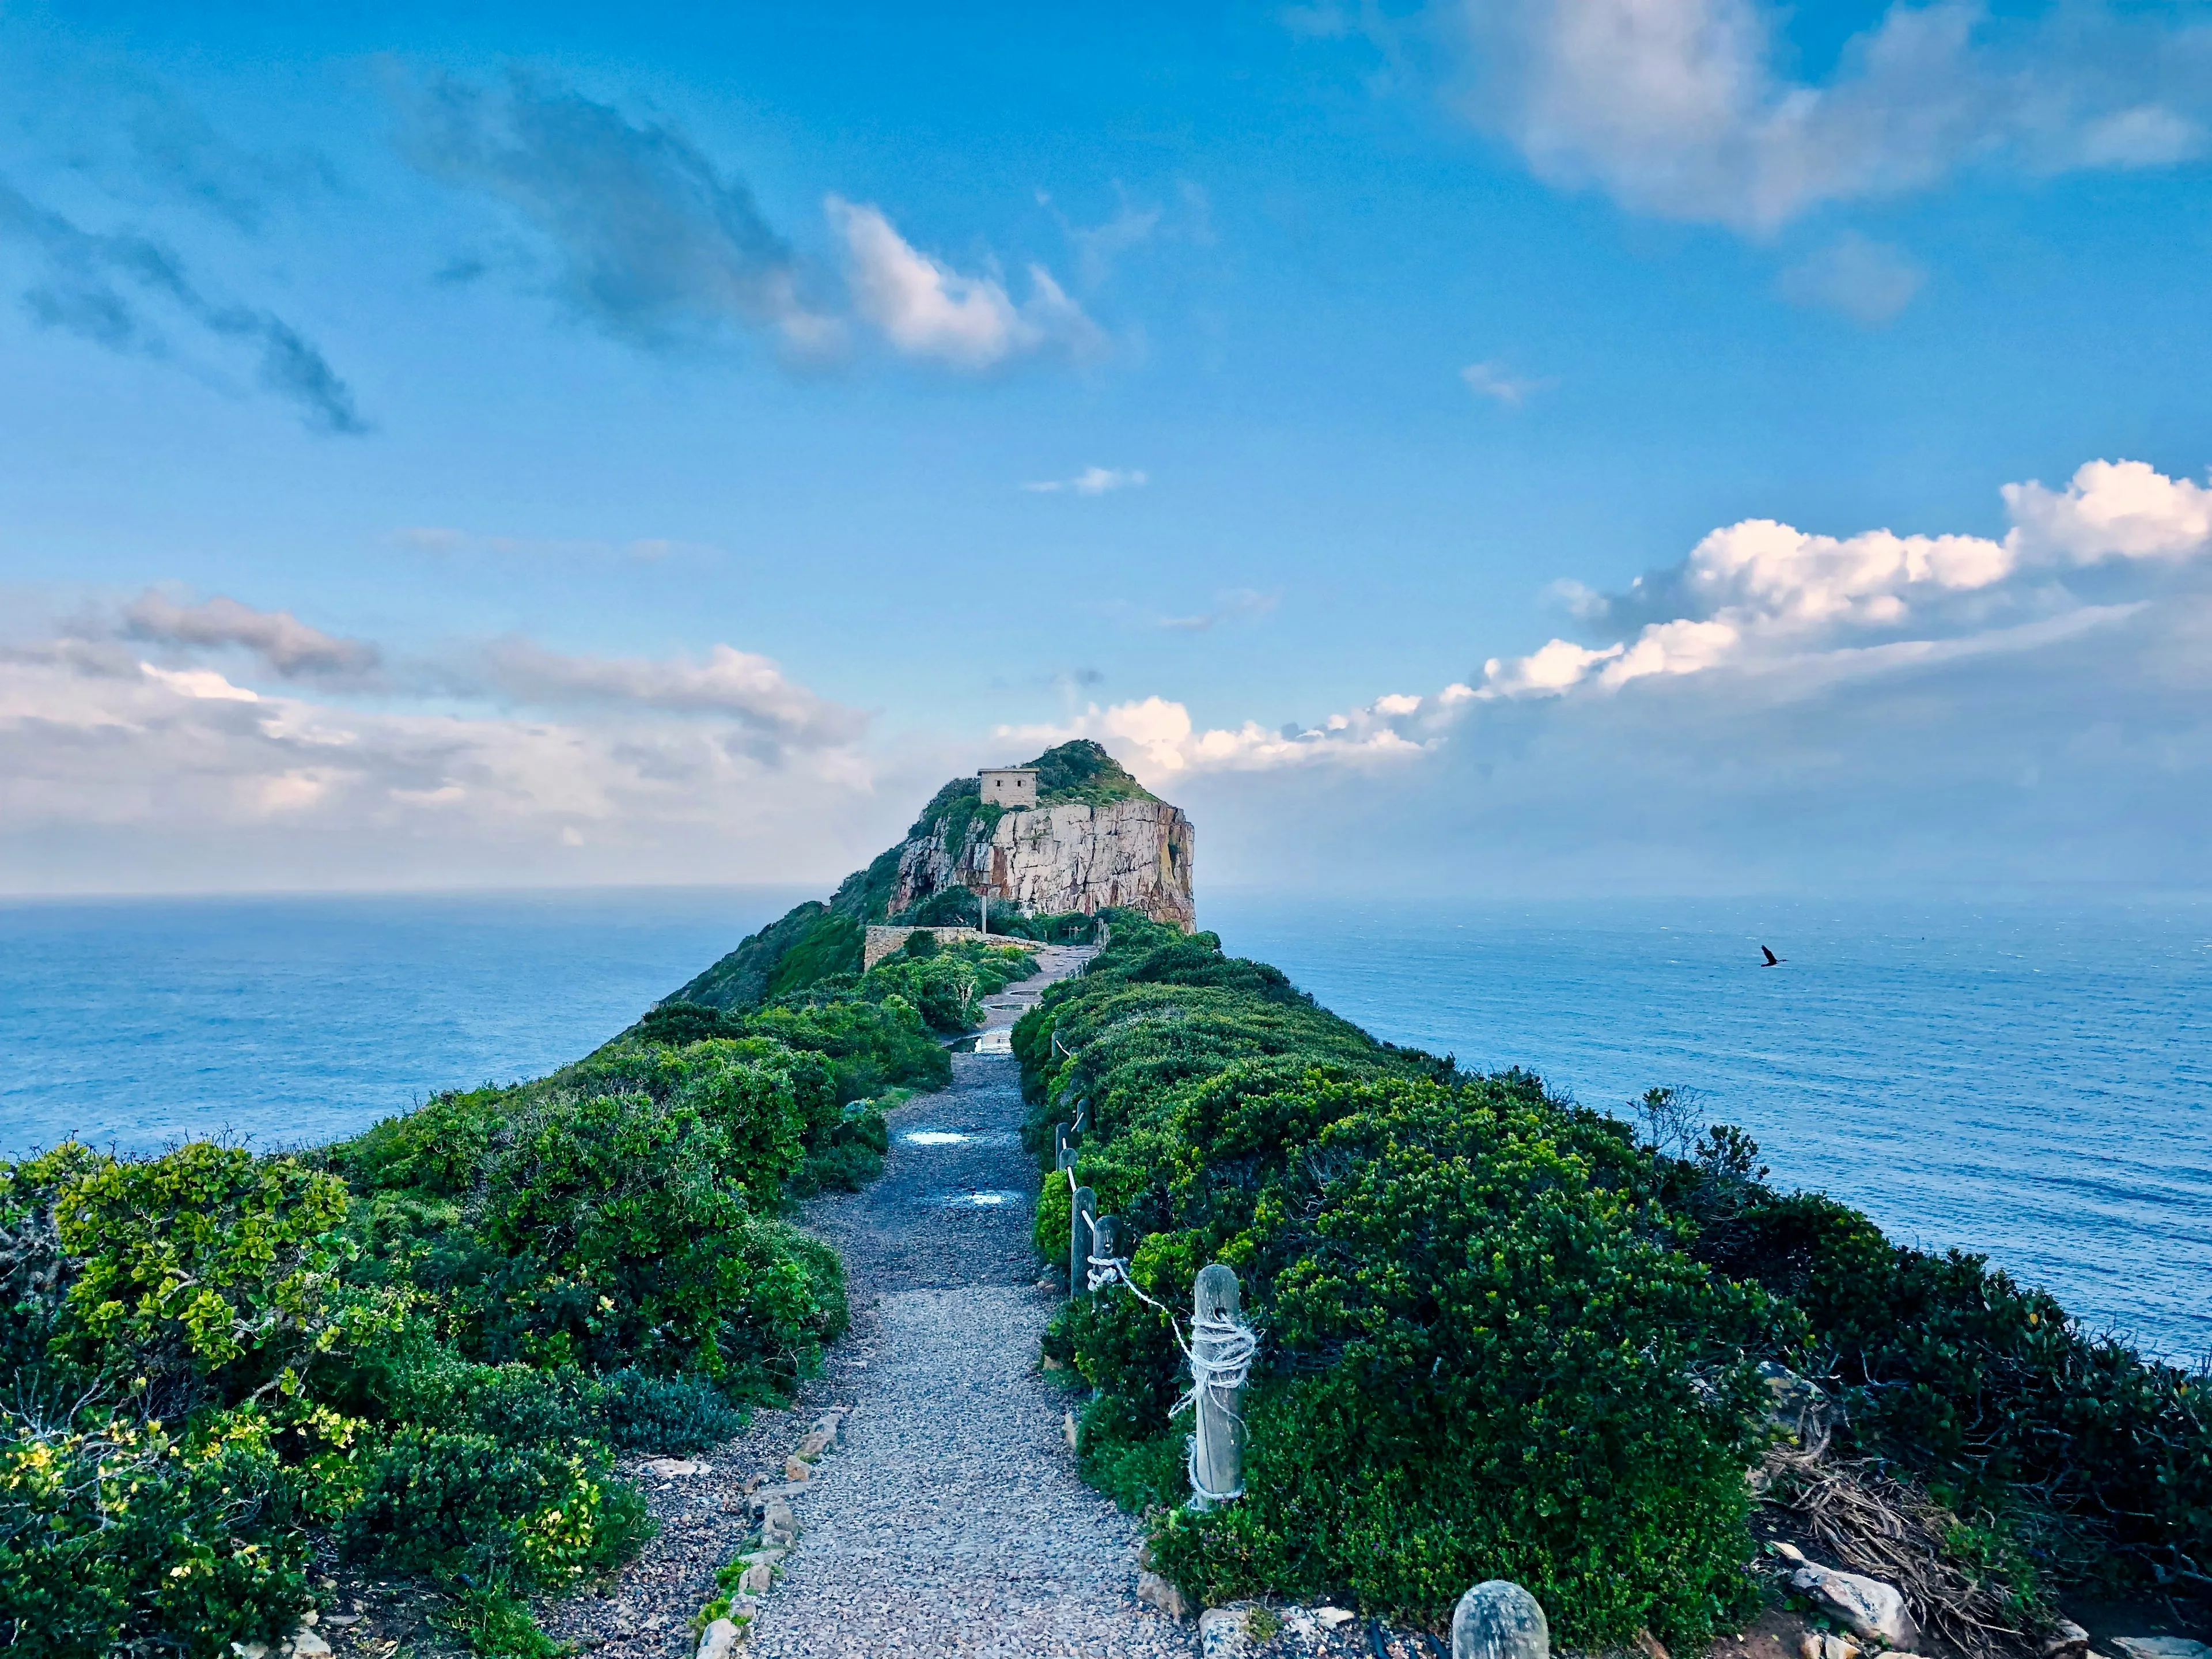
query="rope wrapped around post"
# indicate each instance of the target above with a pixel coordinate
(1221, 1349)
(1107, 1264)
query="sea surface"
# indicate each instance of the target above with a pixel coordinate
(286, 1022)
(2031, 1079)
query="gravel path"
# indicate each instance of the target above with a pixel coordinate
(951, 1520)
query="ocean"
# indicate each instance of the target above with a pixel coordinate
(2028, 1080)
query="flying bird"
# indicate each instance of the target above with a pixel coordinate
(1772, 961)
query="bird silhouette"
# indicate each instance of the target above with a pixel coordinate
(1772, 961)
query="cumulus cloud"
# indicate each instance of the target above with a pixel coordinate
(651, 242)
(1682, 108)
(289, 646)
(1764, 611)
(1156, 737)
(1762, 589)
(927, 310)
(123, 291)
(1092, 481)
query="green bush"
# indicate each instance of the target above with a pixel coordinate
(1502, 1339)
(447, 1502)
(631, 1242)
(117, 1537)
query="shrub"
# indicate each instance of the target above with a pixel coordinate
(206, 1262)
(632, 1244)
(1502, 1339)
(117, 1537)
(449, 1504)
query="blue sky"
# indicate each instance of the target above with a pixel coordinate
(464, 445)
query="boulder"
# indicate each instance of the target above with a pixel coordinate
(1156, 1591)
(1873, 1609)
(757, 1579)
(719, 1641)
(2160, 1647)
(306, 1644)
(795, 1470)
(1331, 1617)
(673, 1468)
(2067, 1640)
(1498, 1619)
(1221, 1634)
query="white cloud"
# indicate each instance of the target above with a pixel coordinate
(739, 684)
(2147, 136)
(1682, 108)
(1238, 603)
(927, 309)
(1157, 739)
(1868, 282)
(115, 774)
(1759, 589)
(1490, 380)
(1092, 481)
(287, 645)
(2112, 509)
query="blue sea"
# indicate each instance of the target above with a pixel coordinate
(2028, 1078)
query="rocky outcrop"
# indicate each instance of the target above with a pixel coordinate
(1053, 859)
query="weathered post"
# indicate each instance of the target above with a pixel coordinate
(1063, 1154)
(1081, 1217)
(1220, 1351)
(1108, 1241)
(1498, 1619)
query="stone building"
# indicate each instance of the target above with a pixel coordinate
(1013, 788)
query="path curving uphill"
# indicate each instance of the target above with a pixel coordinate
(951, 1520)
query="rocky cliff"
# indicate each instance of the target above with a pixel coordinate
(1097, 839)
(1052, 860)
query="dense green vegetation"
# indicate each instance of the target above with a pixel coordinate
(816, 941)
(1503, 1336)
(420, 1350)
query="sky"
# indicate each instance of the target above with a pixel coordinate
(1529, 447)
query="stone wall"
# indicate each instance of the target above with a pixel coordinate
(882, 941)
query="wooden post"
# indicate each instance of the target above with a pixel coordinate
(1498, 1619)
(1083, 1213)
(1109, 1238)
(1217, 1447)
(1063, 1150)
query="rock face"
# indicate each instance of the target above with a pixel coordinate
(1052, 859)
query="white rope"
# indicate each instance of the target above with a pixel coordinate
(1231, 1347)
